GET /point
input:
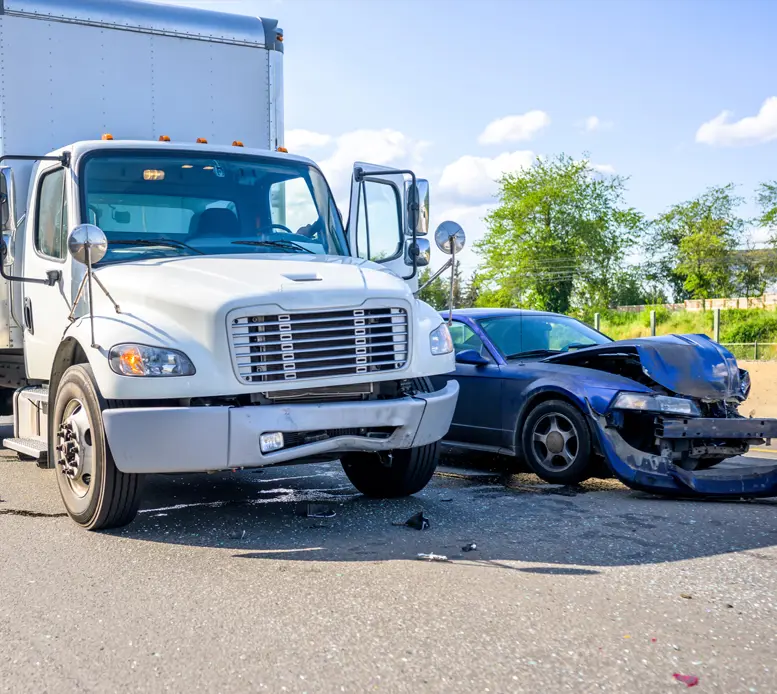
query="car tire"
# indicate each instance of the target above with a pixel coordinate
(407, 472)
(556, 443)
(96, 494)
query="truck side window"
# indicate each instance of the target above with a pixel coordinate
(51, 218)
(379, 227)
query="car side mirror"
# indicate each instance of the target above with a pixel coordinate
(470, 356)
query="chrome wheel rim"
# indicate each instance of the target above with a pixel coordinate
(75, 452)
(555, 442)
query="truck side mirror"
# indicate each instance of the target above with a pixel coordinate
(7, 200)
(417, 195)
(7, 214)
(421, 250)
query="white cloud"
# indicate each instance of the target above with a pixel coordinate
(608, 169)
(299, 140)
(337, 155)
(594, 123)
(746, 131)
(514, 128)
(475, 178)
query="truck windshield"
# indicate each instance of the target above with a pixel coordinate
(176, 204)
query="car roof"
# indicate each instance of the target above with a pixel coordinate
(480, 313)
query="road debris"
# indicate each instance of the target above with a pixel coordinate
(418, 522)
(687, 596)
(433, 557)
(314, 509)
(471, 547)
(687, 680)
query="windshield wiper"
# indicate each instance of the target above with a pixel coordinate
(533, 353)
(169, 243)
(287, 245)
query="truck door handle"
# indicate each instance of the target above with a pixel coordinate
(28, 316)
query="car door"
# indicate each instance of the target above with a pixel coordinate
(477, 419)
(46, 308)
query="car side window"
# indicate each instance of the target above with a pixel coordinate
(465, 338)
(51, 219)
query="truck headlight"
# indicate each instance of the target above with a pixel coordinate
(440, 340)
(142, 360)
(656, 403)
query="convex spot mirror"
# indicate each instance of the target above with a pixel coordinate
(420, 195)
(450, 237)
(84, 238)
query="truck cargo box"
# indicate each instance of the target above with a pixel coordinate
(158, 70)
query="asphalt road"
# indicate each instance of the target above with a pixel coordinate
(221, 586)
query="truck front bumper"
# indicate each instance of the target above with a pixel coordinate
(201, 439)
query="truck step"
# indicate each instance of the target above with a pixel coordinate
(33, 448)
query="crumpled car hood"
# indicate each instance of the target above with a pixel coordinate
(691, 365)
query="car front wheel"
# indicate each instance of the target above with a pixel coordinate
(557, 443)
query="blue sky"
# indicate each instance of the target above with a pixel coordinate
(632, 82)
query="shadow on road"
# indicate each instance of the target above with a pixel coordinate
(261, 514)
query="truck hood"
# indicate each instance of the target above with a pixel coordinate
(691, 365)
(224, 282)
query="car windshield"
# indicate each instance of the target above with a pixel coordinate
(178, 204)
(539, 335)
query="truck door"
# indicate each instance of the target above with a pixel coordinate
(45, 309)
(378, 221)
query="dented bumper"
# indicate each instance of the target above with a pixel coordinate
(657, 474)
(200, 439)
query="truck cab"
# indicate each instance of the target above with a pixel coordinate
(177, 305)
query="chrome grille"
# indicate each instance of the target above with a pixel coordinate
(321, 344)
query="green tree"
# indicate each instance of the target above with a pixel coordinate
(692, 244)
(436, 293)
(556, 239)
(766, 198)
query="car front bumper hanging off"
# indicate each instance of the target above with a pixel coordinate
(657, 474)
(201, 439)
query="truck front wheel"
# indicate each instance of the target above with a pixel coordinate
(396, 473)
(96, 494)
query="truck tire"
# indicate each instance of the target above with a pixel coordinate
(556, 443)
(96, 494)
(409, 472)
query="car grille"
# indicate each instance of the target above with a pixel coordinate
(322, 344)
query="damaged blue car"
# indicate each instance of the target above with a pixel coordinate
(661, 412)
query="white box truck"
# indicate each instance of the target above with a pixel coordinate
(180, 294)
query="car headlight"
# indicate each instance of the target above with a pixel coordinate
(142, 360)
(656, 403)
(440, 340)
(744, 383)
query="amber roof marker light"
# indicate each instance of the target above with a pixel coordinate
(202, 141)
(107, 136)
(164, 138)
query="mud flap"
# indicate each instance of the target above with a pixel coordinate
(655, 474)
